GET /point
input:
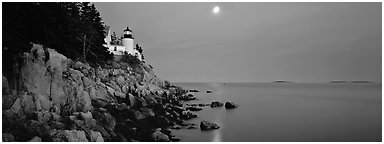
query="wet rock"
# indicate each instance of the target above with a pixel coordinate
(191, 127)
(159, 137)
(175, 114)
(193, 108)
(188, 115)
(230, 105)
(173, 139)
(203, 105)
(205, 125)
(175, 127)
(178, 109)
(193, 90)
(217, 104)
(187, 97)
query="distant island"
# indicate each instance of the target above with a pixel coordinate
(341, 81)
(338, 81)
(281, 81)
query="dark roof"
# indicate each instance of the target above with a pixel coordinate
(128, 29)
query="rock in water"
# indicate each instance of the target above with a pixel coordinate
(205, 125)
(217, 104)
(230, 105)
(159, 136)
(193, 108)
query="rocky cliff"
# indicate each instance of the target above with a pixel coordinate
(58, 99)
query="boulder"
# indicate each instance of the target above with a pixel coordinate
(43, 116)
(105, 119)
(110, 91)
(5, 86)
(27, 104)
(217, 104)
(120, 95)
(35, 139)
(147, 112)
(103, 132)
(143, 102)
(42, 103)
(7, 137)
(15, 108)
(230, 105)
(120, 80)
(33, 73)
(88, 82)
(135, 114)
(85, 102)
(205, 125)
(125, 89)
(68, 136)
(158, 136)
(96, 136)
(88, 120)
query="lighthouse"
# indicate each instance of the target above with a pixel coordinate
(128, 41)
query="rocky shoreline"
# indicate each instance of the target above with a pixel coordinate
(56, 99)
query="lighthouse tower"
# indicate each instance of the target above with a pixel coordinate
(128, 41)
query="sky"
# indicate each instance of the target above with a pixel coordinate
(254, 42)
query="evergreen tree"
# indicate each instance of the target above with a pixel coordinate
(74, 29)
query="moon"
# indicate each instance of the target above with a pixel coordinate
(216, 10)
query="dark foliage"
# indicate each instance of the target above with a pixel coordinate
(73, 29)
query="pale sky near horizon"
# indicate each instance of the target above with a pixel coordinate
(254, 42)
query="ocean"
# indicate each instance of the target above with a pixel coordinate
(288, 112)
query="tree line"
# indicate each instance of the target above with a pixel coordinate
(74, 29)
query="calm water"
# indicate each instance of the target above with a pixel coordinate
(283, 112)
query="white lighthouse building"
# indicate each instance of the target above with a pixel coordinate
(123, 47)
(127, 41)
